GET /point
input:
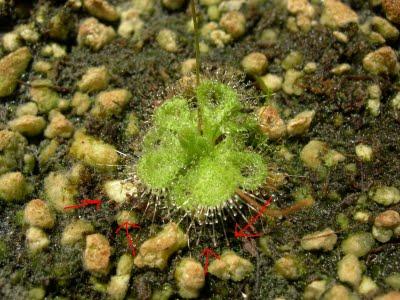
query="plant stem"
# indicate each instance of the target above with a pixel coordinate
(197, 50)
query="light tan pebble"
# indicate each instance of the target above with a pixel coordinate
(96, 257)
(13, 186)
(385, 28)
(359, 244)
(300, 123)
(289, 267)
(118, 287)
(29, 108)
(336, 14)
(220, 38)
(101, 9)
(12, 66)
(394, 295)
(313, 152)
(95, 79)
(291, 82)
(119, 190)
(271, 123)
(28, 125)
(271, 83)
(110, 103)
(392, 10)
(234, 23)
(349, 270)
(314, 290)
(80, 103)
(167, 40)
(387, 219)
(59, 126)
(293, 60)
(336, 292)
(341, 37)
(341, 69)
(231, 266)
(385, 195)
(190, 278)
(94, 34)
(310, 67)
(43, 95)
(75, 232)
(325, 240)
(381, 234)
(93, 152)
(173, 4)
(126, 216)
(364, 152)
(36, 239)
(254, 63)
(59, 191)
(156, 251)
(368, 288)
(381, 61)
(38, 214)
(188, 66)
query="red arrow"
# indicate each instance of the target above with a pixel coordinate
(86, 202)
(207, 252)
(127, 225)
(244, 232)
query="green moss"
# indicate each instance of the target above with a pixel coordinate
(201, 166)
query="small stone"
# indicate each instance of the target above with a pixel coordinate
(349, 270)
(190, 278)
(234, 23)
(373, 106)
(312, 153)
(37, 293)
(96, 257)
(48, 152)
(119, 190)
(385, 195)
(59, 126)
(28, 33)
(362, 216)
(387, 219)
(387, 30)
(337, 14)
(300, 123)
(368, 288)
(13, 186)
(290, 85)
(389, 296)
(118, 287)
(392, 10)
(61, 25)
(173, 4)
(38, 214)
(125, 265)
(332, 158)
(358, 244)
(93, 152)
(213, 13)
(374, 91)
(126, 216)
(11, 41)
(381, 234)
(338, 291)
(12, 66)
(271, 83)
(188, 66)
(80, 103)
(75, 232)
(43, 95)
(314, 290)
(289, 267)
(293, 60)
(132, 126)
(29, 108)
(131, 24)
(28, 125)
(167, 39)
(310, 67)
(254, 63)
(393, 281)
(325, 240)
(43, 67)
(271, 123)
(269, 37)
(110, 103)
(231, 266)
(364, 152)
(341, 37)
(156, 251)
(94, 34)
(36, 239)
(101, 9)
(341, 69)
(59, 191)
(95, 79)
(381, 61)
(220, 38)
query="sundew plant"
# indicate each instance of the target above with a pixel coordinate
(197, 152)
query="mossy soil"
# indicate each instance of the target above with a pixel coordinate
(150, 74)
